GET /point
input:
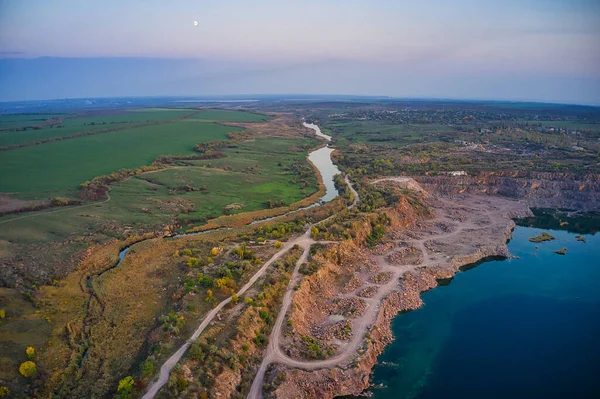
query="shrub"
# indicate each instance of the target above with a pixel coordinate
(187, 252)
(209, 297)
(30, 352)
(147, 369)
(192, 262)
(176, 254)
(4, 392)
(234, 299)
(278, 244)
(28, 369)
(125, 388)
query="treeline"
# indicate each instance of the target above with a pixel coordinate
(54, 202)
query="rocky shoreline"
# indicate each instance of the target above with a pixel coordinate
(354, 377)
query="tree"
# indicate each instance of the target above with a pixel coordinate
(209, 297)
(28, 369)
(4, 392)
(234, 299)
(125, 388)
(30, 352)
(214, 251)
(278, 244)
(314, 232)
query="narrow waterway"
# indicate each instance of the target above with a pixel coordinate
(518, 328)
(320, 158)
(323, 162)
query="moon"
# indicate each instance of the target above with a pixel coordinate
(195, 23)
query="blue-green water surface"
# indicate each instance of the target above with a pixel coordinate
(518, 328)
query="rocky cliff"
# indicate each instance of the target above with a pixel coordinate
(537, 189)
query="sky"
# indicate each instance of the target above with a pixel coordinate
(541, 50)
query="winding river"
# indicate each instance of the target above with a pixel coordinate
(320, 158)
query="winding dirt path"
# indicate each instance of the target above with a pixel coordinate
(274, 354)
(304, 241)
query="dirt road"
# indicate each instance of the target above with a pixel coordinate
(429, 242)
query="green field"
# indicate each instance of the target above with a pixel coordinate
(12, 138)
(17, 120)
(230, 116)
(133, 117)
(146, 201)
(58, 167)
(74, 124)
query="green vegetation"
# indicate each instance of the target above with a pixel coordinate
(59, 167)
(542, 237)
(229, 116)
(28, 369)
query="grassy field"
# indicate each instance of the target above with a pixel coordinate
(230, 116)
(136, 116)
(28, 136)
(17, 120)
(59, 167)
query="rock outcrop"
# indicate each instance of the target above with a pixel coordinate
(537, 189)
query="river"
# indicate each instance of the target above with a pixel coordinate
(320, 158)
(518, 328)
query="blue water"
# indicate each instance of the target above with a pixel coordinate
(519, 328)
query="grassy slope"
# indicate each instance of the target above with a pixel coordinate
(57, 167)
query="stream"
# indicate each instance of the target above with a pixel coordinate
(320, 158)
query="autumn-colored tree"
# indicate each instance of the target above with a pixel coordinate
(209, 297)
(234, 299)
(314, 232)
(30, 352)
(28, 369)
(214, 251)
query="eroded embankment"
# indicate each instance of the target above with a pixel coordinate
(463, 230)
(537, 189)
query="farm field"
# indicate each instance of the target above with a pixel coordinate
(229, 116)
(8, 138)
(248, 176)
(57, 168)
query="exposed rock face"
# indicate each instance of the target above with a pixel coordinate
(481, 228)
(538, 189)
